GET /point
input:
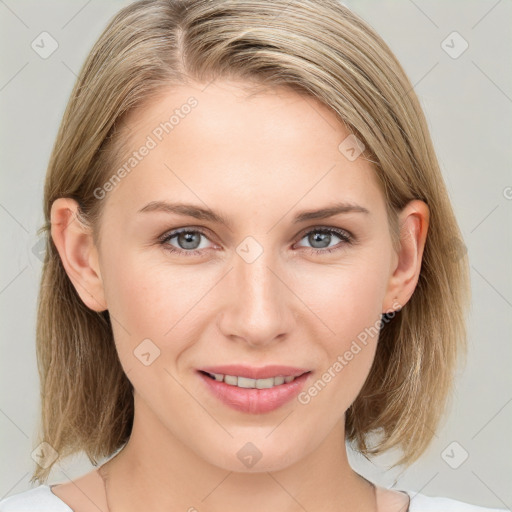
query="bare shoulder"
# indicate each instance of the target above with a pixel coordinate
(83, 494)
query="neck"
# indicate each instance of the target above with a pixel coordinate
(145, 475)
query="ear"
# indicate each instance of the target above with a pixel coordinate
(78, 253)
(413, 221)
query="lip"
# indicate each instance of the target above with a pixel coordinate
(256, 373)
(254, 401)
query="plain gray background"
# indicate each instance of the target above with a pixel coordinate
(468, 102)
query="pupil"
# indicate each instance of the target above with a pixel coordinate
(323, 238)
(187, 240)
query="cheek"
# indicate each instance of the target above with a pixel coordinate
(166, 304)
(135, 298)
(348, 299)
(144, 302)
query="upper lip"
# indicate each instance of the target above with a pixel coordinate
(250, 372)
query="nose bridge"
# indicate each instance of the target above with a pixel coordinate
(257, 308)
(258, 281)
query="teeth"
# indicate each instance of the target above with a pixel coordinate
(229, 379)
(244, 382)
(280, 380)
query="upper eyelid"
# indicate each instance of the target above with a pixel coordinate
(325, 228)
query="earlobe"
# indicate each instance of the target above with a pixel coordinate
(78, 253)
(413, 222)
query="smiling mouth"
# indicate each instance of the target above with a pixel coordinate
(246, 383)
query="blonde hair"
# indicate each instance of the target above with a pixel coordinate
(317, 48)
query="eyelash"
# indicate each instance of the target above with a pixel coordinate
(345, 236)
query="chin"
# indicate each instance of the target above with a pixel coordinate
(253, 456)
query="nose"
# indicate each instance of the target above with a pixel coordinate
(258, 305)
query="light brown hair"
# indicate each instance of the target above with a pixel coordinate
(318, 48)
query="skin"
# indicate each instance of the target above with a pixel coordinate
(258, 160)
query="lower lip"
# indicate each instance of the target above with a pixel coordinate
(255, 401)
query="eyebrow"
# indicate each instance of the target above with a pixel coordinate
(201, 213)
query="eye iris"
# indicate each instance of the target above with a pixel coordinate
(323, 238)
(186, 240)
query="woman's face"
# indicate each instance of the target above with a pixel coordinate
(266, 288)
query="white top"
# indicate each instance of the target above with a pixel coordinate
(42, 499)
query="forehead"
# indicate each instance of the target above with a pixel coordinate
(256, 148)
